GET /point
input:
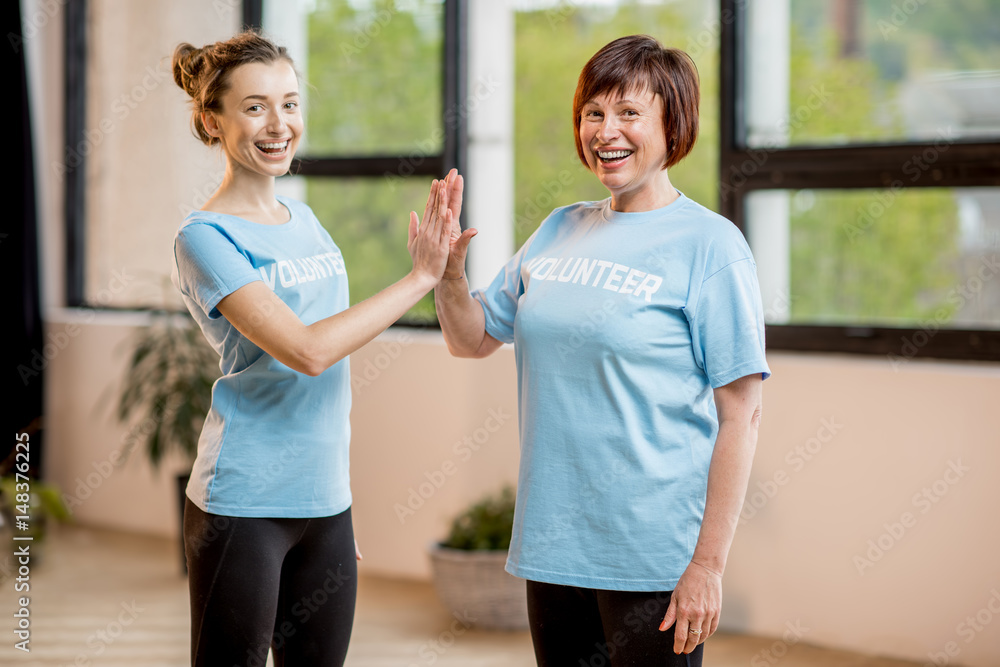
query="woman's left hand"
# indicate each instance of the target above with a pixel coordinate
(694, 607)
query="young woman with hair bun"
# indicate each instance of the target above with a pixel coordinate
(267, 526)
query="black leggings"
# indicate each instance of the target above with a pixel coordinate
(584, 627)
(285, 584)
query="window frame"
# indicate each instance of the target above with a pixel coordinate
(859, 165)
(455, 145)
(454, 150)
(74, 120)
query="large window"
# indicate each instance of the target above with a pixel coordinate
(129, 165)
(383, 80)
(860, 154)
(383, 116)
(856, 144)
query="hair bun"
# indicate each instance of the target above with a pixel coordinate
(188, 65)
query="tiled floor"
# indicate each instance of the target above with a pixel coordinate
(109, 599)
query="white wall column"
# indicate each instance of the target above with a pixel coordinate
(767, 75)
(490, 180)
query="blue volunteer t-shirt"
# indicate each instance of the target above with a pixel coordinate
(623, 323)
(275, 442)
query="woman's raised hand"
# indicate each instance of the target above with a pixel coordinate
(429, 241)
(454, 185)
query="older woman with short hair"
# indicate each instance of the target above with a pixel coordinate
(639, 341)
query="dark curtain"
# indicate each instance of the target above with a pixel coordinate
(23, 340)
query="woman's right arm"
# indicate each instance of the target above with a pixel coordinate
(461, 317)
(260, 314)
(462, 321)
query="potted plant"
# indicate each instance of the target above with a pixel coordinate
(167, 388)
(168, 383)
(42, 503)
(468, 566)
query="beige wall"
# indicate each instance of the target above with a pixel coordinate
(847, 449)
(89, 454)
(430, 434)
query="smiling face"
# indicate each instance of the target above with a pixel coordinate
(260, 123)
(623, 142)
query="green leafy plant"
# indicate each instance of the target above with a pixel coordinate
(44, 503)
(487, 525)
(168, 383)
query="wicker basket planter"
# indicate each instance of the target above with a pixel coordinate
(474, 585)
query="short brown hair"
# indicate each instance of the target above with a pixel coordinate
(204, 73)
(641, 62)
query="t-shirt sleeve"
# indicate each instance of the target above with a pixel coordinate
(500, 299)
(727, 325)
(210, 266)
